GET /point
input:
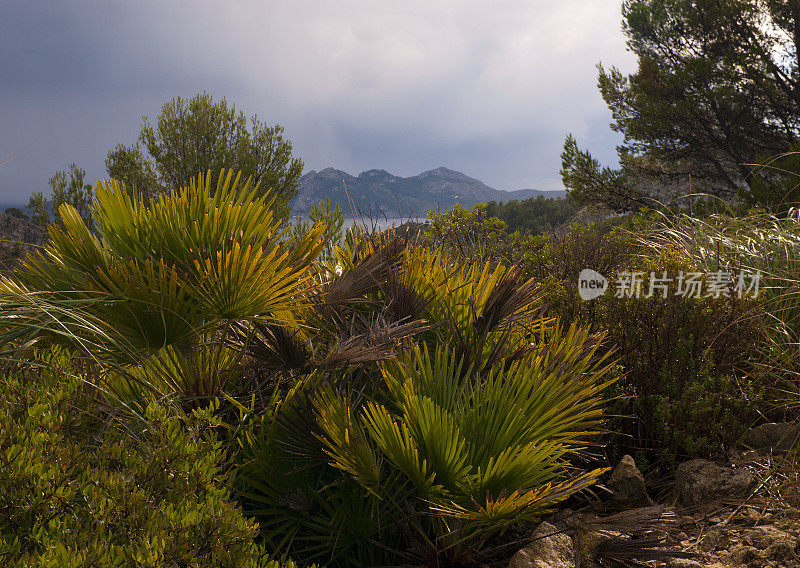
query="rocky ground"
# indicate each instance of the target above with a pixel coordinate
(740, 513)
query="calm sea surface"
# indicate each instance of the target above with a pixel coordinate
(383, 223)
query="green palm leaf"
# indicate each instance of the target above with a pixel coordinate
(163, 274)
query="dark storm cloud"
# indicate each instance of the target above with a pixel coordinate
(488, 88)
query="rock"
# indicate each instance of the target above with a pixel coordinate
(627, 483)
(546, 550)
(699, 481)
(717, 538)
(781, 550)
(778, 436)
(778, 544)
(563, 517)
(743, 554)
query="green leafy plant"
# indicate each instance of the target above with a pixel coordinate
(468, 233)
(80, 490)
(362, 379)
(197, 135)
(536, 215)
(687, 390)
(761, 243)
(470, 431)
(72, 191)
(331, 217)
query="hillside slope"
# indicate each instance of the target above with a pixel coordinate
(18, 235)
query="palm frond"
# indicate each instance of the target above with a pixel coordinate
(163, 273)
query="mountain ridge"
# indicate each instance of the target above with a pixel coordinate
(381, 193)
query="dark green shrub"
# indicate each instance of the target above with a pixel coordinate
(17, 213)
(78, 492)
(595, 247)
(685, 389)
(473, 235)
(468, 234)
(536, 215)
(762, 242)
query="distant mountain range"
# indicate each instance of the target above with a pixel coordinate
(380, 193)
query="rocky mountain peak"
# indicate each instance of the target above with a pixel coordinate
(334, 174)
(378, 190)
(374, 174)
(441, 171)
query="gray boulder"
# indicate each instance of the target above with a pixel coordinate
(546, 550)
(627, 483)
(699, 481)
(778, 436)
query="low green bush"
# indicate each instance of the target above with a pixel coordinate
(686, 388)
(599, 247)
(761, 242)
(80, 491)
(473, 235)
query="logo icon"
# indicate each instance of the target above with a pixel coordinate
(591, 284)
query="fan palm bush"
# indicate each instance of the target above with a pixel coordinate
(395, 404)
(160, 284)
(467, 430)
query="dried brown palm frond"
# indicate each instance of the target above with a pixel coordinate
(631, 538)
(273, 347)
(657, 517)
(628, 552)
(377, 343)
(495, 318)
(512, 301)
(370, 268)
(363, 338)
(404, 302)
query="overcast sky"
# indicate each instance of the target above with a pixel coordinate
(489, 88)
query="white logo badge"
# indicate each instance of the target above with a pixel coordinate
(591, 284)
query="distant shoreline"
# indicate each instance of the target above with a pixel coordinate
(382, 222)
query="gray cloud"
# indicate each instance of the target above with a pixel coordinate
(488, 88)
